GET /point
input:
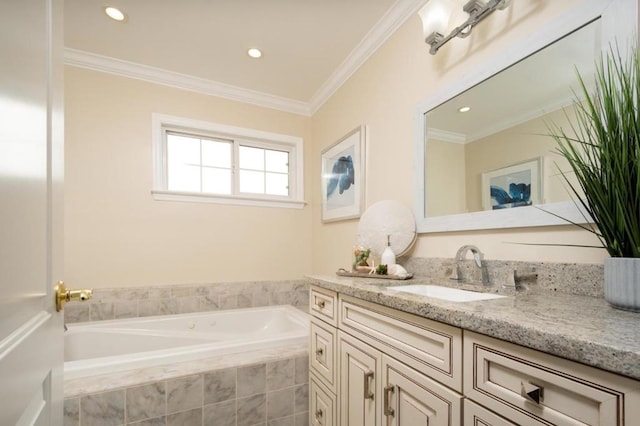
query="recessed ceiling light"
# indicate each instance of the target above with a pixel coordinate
(115, 13)
(464, 109)
(254, 53)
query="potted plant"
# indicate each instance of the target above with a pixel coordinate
(602, 147)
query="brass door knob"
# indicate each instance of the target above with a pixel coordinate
(64, 295)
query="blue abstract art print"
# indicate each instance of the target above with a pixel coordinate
(343, 177)
(517, 185)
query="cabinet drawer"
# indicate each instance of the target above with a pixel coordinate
(475, 415)
(428, 346)
(500, 374)
(322, 353)
(323, 305)
(322, 405)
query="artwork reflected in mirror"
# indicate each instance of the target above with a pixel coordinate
(471, 153)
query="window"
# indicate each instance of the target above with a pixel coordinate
(208, 162)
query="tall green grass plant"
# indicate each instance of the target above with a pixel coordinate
(602, 147)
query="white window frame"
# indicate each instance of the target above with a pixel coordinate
(249, 137)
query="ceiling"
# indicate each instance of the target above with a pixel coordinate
(309, 46)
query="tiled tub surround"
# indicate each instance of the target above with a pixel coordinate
(577, 327)
(123, 302)
(268, 387)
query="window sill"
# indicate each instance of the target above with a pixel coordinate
(194, 197)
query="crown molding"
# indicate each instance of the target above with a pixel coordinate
(384, 28)
(92, 61)
(446, 136)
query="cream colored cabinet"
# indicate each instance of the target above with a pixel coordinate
(529, 387)
(323, 362)
(360, 368)
(410, 398)
(322, 405)
(378, 366)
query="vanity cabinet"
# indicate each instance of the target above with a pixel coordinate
(381, 366)
(530, 387)
(374, 365)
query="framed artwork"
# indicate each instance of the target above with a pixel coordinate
(343, 177)
(518, 185)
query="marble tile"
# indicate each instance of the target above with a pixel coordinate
(104, 409)
(186, 418)
(260, 298)
(284, 421)
(280, 374)
(301, 370)
(280, 403)
(301, 419)
(228, 301)
(252, 379)
(187, 304)
(157, 307)
(251, 410)
(220, 414)
(159, 292)
(301, 398)
(125, 309)
(245, 300)
(158, 421)
(71, 412)
(101, 311)
(220, 386)
(145, 402)
(184, 393)
(131, 293)
(208, 303)
(76, 312)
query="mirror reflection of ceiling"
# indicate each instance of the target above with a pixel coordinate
(539, 84)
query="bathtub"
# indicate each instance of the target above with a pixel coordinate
(118, 345)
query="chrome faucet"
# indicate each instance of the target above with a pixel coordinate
(479, 260)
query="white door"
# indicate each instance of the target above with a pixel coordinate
(31, 153)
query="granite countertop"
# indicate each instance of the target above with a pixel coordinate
(580, 328)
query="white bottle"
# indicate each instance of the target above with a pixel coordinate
(388, 256)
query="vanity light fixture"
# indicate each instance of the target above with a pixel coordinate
(254, 53)
(435, 16)
(464, 109)
(115, 13)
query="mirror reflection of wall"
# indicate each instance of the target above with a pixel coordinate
(506, 125)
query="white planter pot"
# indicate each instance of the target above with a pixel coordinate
(622, 282)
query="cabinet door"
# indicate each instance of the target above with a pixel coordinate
(475, 415)
(360, 367)
(412, 399)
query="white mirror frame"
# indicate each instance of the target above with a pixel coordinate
(618, 19)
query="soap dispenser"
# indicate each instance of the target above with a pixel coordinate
(388, 256)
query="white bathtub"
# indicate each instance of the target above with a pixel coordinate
(119, 345)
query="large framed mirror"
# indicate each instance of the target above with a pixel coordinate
(465, 161)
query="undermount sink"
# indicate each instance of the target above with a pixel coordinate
(445, 293)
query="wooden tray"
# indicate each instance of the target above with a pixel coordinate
(344, 273)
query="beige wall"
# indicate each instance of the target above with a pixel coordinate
(117, 235)
(445, 173)
(383, 95)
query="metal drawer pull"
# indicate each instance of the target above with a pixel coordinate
(368, 376)
(531, 392)
(320, 304)
(388, 411)
(319, 352)
(319, 416)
